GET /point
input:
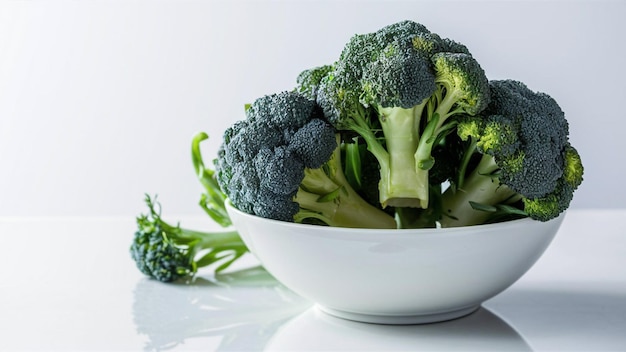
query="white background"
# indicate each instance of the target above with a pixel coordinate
(99, 100)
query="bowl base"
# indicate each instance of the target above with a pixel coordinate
(400, 319)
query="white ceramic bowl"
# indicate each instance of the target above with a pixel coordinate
(396, 276)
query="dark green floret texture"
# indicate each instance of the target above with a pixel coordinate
(168, 253)
(156, 256)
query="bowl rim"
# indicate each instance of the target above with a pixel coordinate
(389, 232)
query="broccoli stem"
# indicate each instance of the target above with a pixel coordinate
(467, 157)
(444, 106)
(400, 184)
(347, 210)
(216, 245)
(213, 200)
(352, 160)
(219, 246)
(413, 218)
(435, 128)
(479, 187)
(423, 159)
(325, 194)
(359, 125)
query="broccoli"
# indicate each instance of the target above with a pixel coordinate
(371, 140)
(308, 81)
(517, 151)
(283, 162)
(168, 253)
(398, 89)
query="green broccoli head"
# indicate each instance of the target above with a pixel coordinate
(525, 132)
(537, 163)
(397, 77)
(280, 163)
(397, 87)
(390, 56)
(523, 137)
(397, 71)
(262, 159)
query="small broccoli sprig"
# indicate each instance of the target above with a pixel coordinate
(168, 253)
(518, 152)
(283, 162)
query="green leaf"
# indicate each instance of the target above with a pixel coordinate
(511, 210)
(483, 207)
(329, 197)
(352, 162)
(499, 212)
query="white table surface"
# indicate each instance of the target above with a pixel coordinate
(69, 284)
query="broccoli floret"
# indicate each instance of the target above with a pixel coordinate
(543, 132)
(397, 89)
(308, 81)
(168, 253)
(463, 86)
(525, 155)
(554, 203)
(284, 163)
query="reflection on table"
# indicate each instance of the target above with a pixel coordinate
(250, 310)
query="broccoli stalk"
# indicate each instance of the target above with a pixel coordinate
(462, 88)
(212, 202)
(325, 194)
(168, 253)
(400, 184)
(465, 205)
